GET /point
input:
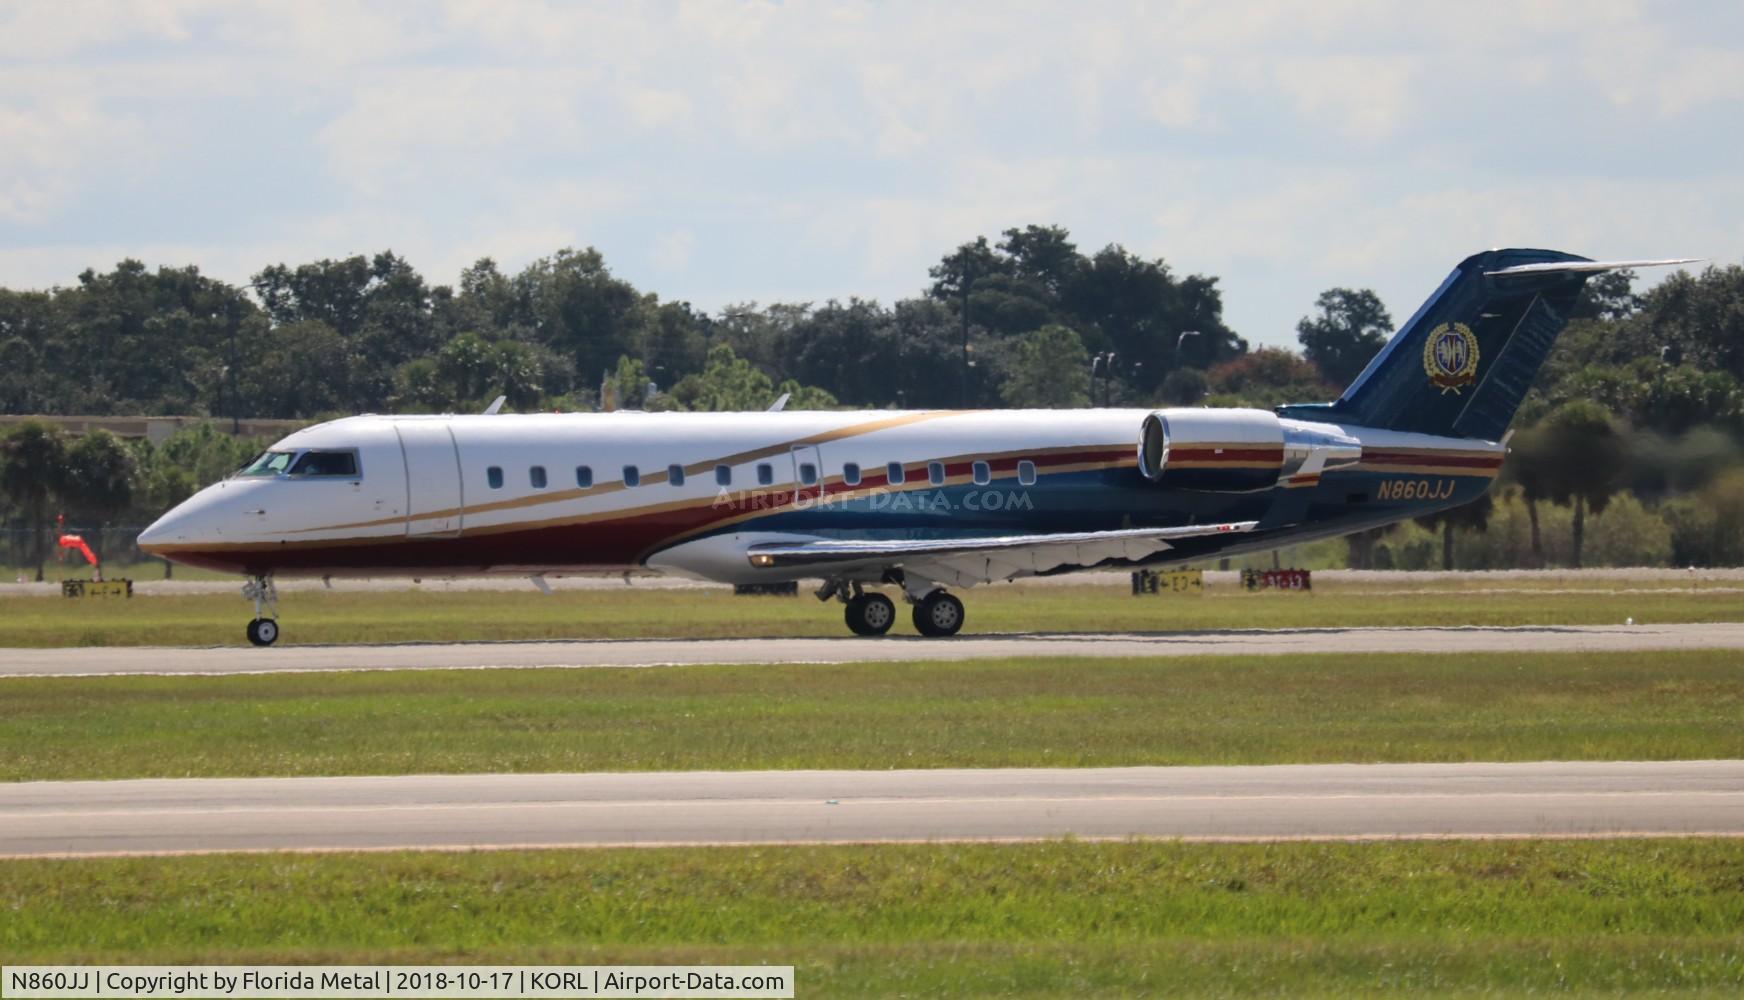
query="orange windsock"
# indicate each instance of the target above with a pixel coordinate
(77, 544)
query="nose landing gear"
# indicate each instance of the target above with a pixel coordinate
(263, 630)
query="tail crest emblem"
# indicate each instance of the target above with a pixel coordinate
(1450, 357)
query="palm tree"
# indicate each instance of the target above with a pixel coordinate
(32, 472)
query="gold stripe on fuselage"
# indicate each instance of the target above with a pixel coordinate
(907, 486)
(914, 474)
(652, 478)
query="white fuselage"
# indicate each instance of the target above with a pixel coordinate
(687, 492)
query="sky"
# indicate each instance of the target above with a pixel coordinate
(733, 152)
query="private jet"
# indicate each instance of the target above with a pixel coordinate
(916, 503)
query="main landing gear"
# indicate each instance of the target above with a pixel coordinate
(263, 630)
(869, 614)
(937, 614)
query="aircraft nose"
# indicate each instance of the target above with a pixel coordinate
(157, 533)
(200, 531)
(181, 525)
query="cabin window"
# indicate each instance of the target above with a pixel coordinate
(1026, 472)
(807, 474)
(326, 463)
(675, 475)
(765, 473)
(893, 473)
(536, 476)
(983, 473)
(723, 475)
(494, 476)
(632, 476)
(936, 473)
(851, 474)
(268, 463)
(584, 476)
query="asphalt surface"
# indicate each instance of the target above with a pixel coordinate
(670, 652)
(1321, 801)
(146, 581)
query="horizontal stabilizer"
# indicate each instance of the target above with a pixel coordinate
(1590, 266)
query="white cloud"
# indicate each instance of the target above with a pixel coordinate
(46, 148)
(672, 250)
(1365, 97)
(43, 29)
(450, 122)
(716, 151)
(652, 108)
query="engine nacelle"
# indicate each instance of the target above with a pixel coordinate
(1239, 451)
(1218, 451)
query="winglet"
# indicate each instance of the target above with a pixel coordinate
(496, 405)
(777, 406)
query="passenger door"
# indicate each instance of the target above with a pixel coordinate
(435, 497)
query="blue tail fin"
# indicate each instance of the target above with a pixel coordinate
(1461, 365)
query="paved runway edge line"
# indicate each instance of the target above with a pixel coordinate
(1214, 804)
(171, 661)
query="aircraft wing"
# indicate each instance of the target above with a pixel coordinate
(968, 561)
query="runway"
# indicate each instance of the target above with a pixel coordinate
(1416, 580)
(1330, 801)
(88, 661)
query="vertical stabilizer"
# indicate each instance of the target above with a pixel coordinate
(1462, 364)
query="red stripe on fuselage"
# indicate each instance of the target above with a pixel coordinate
(596, 542)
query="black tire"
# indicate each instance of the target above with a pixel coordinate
(263, 631)
(938, 615)
(870, 614)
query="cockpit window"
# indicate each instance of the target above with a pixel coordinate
(326, 463)
(269, 463)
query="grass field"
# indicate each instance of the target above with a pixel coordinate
(1029, 712)
(391, 616)
(1058, 919)
(1051, 919)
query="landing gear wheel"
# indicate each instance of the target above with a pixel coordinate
(869, 614)
(263, 631)
(938, 615)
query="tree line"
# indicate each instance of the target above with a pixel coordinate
(1644, 389)
(372, 334)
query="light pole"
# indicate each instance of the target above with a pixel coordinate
(235, 399)
(234, 313)
(1102, 365)
(1180, 348)
(1180, 342)
(963, 393)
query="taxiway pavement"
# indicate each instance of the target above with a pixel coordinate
(87, 661)
(1319, 801)
(1633, 578)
